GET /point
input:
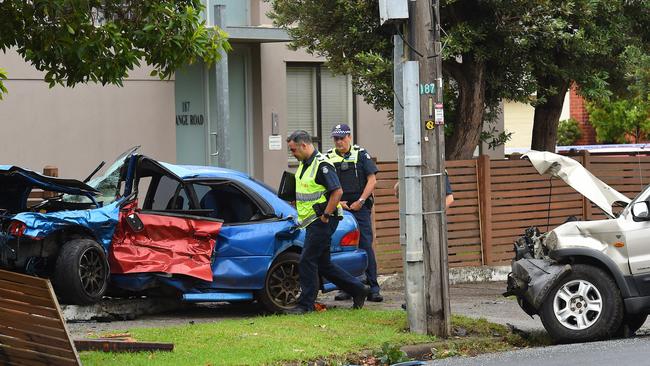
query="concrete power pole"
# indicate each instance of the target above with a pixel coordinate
(424, 31)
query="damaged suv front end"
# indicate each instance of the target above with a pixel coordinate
(585, 279)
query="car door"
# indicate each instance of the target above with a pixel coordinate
(165, 235)
(636, 233)
(247, 240)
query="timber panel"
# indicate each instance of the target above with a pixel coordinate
(464, 241)
(517, 197)
(32, 329)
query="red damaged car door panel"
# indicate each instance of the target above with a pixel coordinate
(164, 243)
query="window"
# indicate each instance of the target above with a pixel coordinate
(227, 202)
(317, 100)
(170, 195)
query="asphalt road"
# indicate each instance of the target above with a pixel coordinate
(620, 352)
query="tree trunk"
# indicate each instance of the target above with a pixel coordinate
(547, 115)
(470, 76)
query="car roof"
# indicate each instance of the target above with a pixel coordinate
(197, 171)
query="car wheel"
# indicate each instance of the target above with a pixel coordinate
(586, 305)
(282, 284)
(631, 323)
(81, 272)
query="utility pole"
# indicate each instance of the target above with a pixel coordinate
(424, 31)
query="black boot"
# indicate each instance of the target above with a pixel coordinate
(359, 299)
(342, 296)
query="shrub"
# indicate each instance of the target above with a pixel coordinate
(568, 132)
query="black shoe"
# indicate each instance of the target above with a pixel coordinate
(404, 306)
(298, 310)
(375, 297)
(359, 299)
(342, 296)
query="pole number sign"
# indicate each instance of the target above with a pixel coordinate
(427, 88)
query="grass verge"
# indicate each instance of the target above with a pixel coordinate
(334, 336)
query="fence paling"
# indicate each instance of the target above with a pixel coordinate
(495, 200)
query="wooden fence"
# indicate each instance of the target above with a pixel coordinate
(32, 329)
(496, 200)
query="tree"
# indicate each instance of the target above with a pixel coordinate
(481, 53)
(626, 116)
(77, 41)
(581, 41)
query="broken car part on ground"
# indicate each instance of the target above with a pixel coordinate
(148, 227)
(587, 280)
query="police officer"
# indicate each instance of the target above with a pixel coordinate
(356, 171)
(318, 192)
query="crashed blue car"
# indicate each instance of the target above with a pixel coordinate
(148, 227)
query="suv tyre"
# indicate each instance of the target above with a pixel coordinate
(585, 305)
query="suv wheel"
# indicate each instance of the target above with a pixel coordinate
(586, 305)
(81, 272)
(282, 285)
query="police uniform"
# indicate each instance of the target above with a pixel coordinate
(315, 180)
(353, 169)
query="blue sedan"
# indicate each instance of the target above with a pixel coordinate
(149, 227)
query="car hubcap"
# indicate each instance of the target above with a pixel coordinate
(284, 284)
(577, 305)
(92, 272)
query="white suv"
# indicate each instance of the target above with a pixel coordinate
(586, 280)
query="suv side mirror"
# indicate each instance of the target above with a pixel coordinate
(641, 211)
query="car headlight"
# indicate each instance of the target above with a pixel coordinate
(550, 242)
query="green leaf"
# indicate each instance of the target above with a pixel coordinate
(70, 29)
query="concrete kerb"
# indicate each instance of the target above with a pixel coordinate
(457, 275)
(119, 309)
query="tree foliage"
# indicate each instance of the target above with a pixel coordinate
(626, 116)
(348, 34)
(581, 41)
(568, 132)
(518, 50)
(77, 41)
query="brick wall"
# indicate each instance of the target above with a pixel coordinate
(579, 113)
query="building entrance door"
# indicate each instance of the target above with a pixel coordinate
(191, 119)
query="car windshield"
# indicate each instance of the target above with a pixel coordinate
(106, 183)
(643, 196)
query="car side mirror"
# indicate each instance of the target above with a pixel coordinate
(641, 211)
(134, 222)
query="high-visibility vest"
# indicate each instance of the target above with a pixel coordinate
(353, 180)
(308, 192)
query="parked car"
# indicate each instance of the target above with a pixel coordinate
(144, 226)
(587, 280)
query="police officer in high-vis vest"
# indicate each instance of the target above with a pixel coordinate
(356, 171)
(316, 186)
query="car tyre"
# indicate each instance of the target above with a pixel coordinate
(81, 272)
(585, 305)
(282, 284)
(631, 323)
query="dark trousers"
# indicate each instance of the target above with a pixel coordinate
(316, 261)
(365, 243)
